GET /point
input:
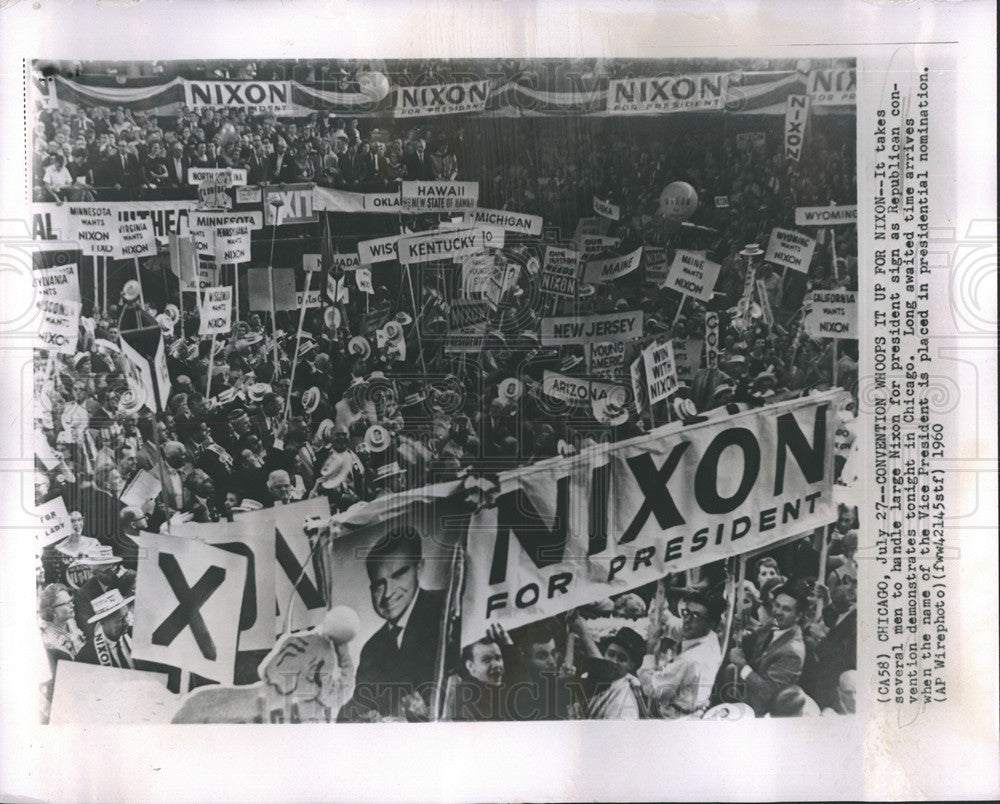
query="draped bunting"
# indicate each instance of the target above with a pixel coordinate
(742, 93)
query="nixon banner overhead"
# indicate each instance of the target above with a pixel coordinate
(569, 532)
(275, 96)
(748, 92)
(442, 99)
(673, 93)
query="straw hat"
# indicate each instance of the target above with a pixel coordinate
(107, 604)
(377, 438)
(310, 399)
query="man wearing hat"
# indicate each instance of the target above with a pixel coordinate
(109, 644)
(736, 367)
(267, 418)
(250, 477)
(177, 358)
(315, 406)
(342, 475)
(763, 387)
(706, 380)
(131, 438)
(304, 371)
(683, 687)
(105, 567)
(321, 372)
(613, 692)
(75, 416)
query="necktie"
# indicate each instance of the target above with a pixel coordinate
(766, 642)
(124, 654)
(178, 488)
(394, 631)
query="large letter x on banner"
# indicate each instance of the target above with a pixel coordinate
(188, 597)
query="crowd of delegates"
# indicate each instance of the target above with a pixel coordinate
(367, 415)
(115, 154)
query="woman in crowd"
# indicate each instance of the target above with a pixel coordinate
(60, 635)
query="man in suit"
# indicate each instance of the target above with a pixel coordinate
(836, 653)
(373, 169)
(122, 172)
(105, 568)
(254, 161)
(483, 695)
(132, 439)
(772, 657)
(396, 668)
(203, 506)
(280, 165)
(418, 164)
(101, 504)
(109, 643)
(176, 469)
(177, 169)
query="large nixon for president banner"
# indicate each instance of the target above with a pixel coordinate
(566, 533)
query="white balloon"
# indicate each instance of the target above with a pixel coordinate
(678, 201)
(340, 624)
(374, 85)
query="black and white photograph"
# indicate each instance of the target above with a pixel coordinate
(605, 307)
(404, 394)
